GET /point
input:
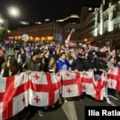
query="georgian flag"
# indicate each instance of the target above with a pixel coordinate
(68, 37)
(38, 98)
(2, 91)
(71, 84)
(20, 99)
(38, 78)
(118, 82)
(37, 89)
(44, 88)
(113, 78)
(99, 87)
(12, 92)
(1, 110)
(20, 102)
(56, 79)
(87, 82)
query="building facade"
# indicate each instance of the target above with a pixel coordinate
(107, 23)
(50, 31)
(43, 32)
(87, 25)
(102, 25)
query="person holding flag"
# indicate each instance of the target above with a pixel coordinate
(67, 41)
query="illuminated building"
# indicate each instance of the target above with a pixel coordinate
(107, 23)
(87, 21)
(43, 32)
(103, 24)
(50, 31)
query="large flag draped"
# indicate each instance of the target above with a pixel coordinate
(37, 89)
(99, 87)
(13, 95)
(87, 83)
(71, 84)
(43, 89)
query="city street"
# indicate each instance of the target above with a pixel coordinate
(59, 59)
(59, 114)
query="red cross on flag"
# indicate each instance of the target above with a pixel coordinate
(72, 84)
(113, 78)
(12, 91)
(100, 86)
(87, 82)
(38, 98)
(118, 82)
(37, 89)
(46, 86)
(20, 102)
(38, 78)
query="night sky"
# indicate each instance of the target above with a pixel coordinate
(38, 10)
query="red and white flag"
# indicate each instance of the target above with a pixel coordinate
(44, 88)
(118, 82)
(87, 83)
(113, 78)
(68, 37)
(20, 102)
(37, 89)
(13, 89)
(71, 84)
(2, 91)
(100, 86)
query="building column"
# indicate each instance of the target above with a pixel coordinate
(110, 21)
(101, 20)
(96, 23)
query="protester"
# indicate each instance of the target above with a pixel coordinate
(34, 63)
(111, 65)
(53, 57)
(45, 60)
(10, 66)
(2, 60)
(52, 65)
(62, 62)
(21, 58)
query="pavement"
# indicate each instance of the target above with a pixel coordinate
(70, 110)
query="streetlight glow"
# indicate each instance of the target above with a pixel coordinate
(1, 20)
(14, 11)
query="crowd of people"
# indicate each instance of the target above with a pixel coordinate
(17, 57)
(52, 57)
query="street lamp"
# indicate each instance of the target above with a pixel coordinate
(14, 11)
